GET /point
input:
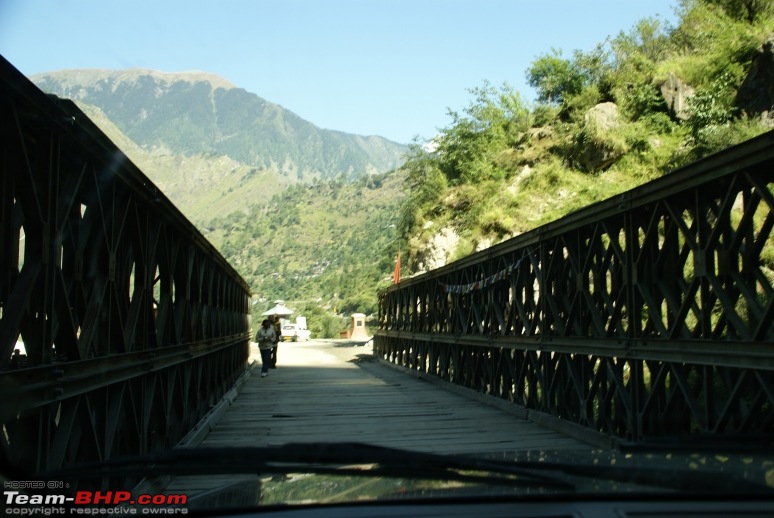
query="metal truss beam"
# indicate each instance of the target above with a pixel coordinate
(133, 324)
(648, 314)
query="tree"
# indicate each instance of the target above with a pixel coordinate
(424, 181)
(555, 78)
(635, 54)
(494, 120)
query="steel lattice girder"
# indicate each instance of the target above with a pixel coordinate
(110, 289)
(666, 283)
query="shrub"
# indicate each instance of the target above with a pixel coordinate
(641, 100)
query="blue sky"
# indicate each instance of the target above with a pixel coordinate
(372, 67)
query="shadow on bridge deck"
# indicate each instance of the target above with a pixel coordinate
(336, 391)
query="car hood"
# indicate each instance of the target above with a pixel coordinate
(322, 473)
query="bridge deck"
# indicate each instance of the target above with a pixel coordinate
(330, 391)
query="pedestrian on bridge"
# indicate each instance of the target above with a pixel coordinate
(277, 335)
(266, 338)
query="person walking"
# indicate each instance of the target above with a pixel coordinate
(266, 338)
(277, 335)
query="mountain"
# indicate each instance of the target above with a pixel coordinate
(303, 214)
(195, 113)
(325, 249)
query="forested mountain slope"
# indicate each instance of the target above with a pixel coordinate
(202, 114)
(326, 248)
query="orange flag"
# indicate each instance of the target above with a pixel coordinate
(396, 273)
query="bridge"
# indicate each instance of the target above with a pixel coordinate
(644, 317)
(133, 325)
(647, 316)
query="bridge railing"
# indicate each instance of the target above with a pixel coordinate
(650, 314)
(133, 325)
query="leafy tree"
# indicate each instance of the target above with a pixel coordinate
(635, 54)
(634, 57)
(709, 108)
(467, 152)
(424, 181)
(555, 78)
(494, 120)
(641, 100)
(573, 84)
(709, 42)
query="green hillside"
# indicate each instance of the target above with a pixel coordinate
(202, 186)
(324, 248)
(639, 105)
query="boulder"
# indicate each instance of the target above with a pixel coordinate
(603, 116)
(598, 146)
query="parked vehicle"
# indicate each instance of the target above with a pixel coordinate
(294, 333)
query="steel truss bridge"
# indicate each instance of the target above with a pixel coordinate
(134, 326)
(644, 317)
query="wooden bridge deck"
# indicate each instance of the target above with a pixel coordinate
(331, 391)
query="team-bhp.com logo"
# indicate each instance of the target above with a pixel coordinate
(30, 498)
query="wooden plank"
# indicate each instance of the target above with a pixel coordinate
(321, 393)
(329, 391)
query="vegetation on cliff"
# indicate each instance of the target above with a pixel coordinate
(637, 106)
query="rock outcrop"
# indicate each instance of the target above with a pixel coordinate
(676, 94)
(438, 251)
